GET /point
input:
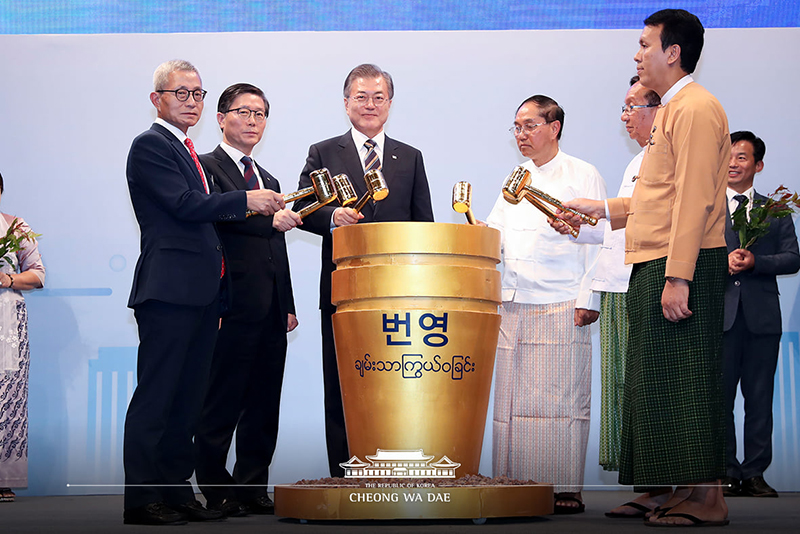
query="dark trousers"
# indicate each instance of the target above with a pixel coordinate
(244, 396)
(175, 348)
(750, 360)
(335, 433)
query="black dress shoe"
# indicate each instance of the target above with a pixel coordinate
(260, 505)
(731, 487)
(194, 511)
(156, 513)
(758, 487)
(228, 507)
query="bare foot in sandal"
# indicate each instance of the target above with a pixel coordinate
(641, 505)
(704, 506)
(680, 493)
(568, 503)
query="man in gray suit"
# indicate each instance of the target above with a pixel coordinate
(752, 322)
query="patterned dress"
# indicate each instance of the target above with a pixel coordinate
(14, 365)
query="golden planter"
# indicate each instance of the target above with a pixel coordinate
(416, 330)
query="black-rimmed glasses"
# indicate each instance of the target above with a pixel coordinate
(183, 94)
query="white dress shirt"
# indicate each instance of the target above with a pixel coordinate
(236, 155)
(359, 139)
(733, 203)
(677, 86)
(541, 266)
(612, 275)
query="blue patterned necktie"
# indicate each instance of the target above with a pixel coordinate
(372, 162)
(250, 174)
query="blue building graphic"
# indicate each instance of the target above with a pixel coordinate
(112, 379)
(784, 473)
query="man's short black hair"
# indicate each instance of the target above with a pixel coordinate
(236, 90)
(759, 148)
(679, 27)
(551, 111)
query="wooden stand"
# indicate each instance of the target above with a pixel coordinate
(320, 503)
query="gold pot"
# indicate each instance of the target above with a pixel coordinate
(416, 330)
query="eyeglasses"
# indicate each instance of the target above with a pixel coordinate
(183, 94)
(630, 108)
(527, 128)
(245, 114)
(377, 100)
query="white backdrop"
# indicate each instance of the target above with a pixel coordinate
(72, 104)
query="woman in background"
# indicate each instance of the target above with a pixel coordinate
(24, 272)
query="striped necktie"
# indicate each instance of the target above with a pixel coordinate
(250, 174)
(372, 162)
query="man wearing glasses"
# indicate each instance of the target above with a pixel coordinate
(543, 378)
(611, 281)
(175, 298)
(244, 390)
(368, 93)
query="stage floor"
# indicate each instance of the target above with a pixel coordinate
(103, 514)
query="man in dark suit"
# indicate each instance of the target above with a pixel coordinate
(244, 391)
(752, 322)
(368, 93)
(175, 298)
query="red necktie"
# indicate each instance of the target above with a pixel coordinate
(190, 145)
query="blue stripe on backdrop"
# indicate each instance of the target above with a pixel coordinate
(155, 16)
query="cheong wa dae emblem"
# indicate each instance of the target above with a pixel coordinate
(400, 464)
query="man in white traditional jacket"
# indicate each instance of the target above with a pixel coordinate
(543, 369)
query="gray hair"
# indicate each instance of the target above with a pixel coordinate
(368, 70)
(161, 75)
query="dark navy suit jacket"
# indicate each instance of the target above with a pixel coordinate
(757, 289)
(255, 253)
(409, 196)
(181, 254)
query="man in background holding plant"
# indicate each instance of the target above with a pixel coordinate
(752, 312)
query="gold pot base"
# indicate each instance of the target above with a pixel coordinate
(463, 502)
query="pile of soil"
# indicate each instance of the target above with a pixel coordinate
(467, 480)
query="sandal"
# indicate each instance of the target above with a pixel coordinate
(639, 514)
(658, 511)
(560, 509)
(695, 522)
